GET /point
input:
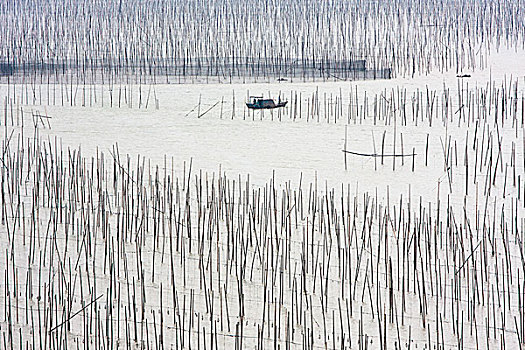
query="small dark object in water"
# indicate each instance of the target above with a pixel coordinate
(282, 79)
(261, 103)
(6, 69)
(463, 76)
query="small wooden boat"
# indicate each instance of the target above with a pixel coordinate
(257, 102)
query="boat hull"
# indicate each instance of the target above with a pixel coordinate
(266, 106)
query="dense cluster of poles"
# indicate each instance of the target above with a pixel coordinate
(111, 251)
(105, 249)
(115, 41)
